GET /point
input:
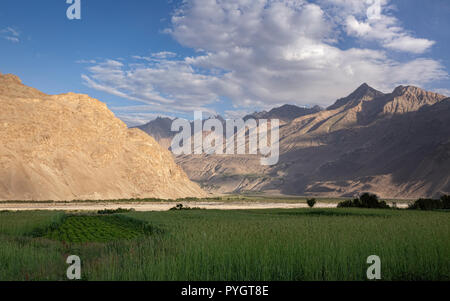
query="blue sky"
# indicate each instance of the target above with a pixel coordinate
(150, 58)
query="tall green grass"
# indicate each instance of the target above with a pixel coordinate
(14, 223)
(250, 245)
(25, 258)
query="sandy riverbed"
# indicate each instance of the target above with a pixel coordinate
(159, 206)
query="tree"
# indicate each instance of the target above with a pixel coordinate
(311, 202)
(445, 201)
(366, 200)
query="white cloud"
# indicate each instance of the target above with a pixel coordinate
(13, 39)
(371, 20)
(354, 27)
(86, 61)
(268, 52)
(155, 57)
(11, 34)
(164, 55)
(237, 114)
(409, 44)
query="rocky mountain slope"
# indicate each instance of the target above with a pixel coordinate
(70, 146)
(160, 128)
(285, 113)
(395, 145)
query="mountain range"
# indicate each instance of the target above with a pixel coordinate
(396, 145)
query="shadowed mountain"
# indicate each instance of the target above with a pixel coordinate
(285, 113)
(404, 155)
(160, 129)
(395, 145)
(362, 94)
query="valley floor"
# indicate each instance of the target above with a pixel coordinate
(164, 206)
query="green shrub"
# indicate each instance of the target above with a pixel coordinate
(311, 202)
(431, 204)
(109, 211)
(346, 204)
(445, 201)
(180, 207)
(367, 200)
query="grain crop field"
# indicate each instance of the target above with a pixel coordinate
(189, 245)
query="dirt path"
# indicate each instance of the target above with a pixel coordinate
(157, 206)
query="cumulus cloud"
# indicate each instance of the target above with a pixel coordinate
(11, 34)
(372, 20)
(261, 53)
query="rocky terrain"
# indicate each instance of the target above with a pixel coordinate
(396, 145)
(71, 147)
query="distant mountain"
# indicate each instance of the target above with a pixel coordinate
(362, 94)
(396, 145)
(70, 146)
(285, 113)
(160, 129)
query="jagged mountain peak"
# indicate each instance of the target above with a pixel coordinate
(285, 113)
(362, 93)
(402, 90)
(218, 117)
(163, 118)
(410, 98)
(363, 89)
(164, 122)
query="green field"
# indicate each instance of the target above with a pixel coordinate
(88, 228)
(300, 244)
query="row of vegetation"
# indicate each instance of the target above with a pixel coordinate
(371, 201)
(367, 200)
(432, 204)
(180, 207)
(114, 211)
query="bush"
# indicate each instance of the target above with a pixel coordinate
(180, 207)
(445, 201)
(120, 210)
(311, 202)
(367, 200)
(431, 204)
(346, 204)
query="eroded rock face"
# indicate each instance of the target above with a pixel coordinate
(396, 145)
(70, 146)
